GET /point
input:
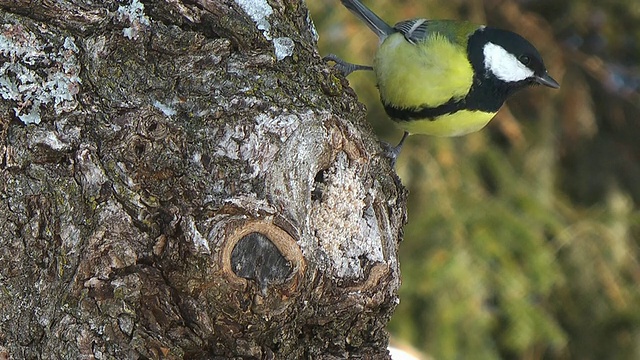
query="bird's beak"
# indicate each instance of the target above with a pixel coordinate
(547, 80)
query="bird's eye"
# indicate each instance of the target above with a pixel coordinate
(524, 59)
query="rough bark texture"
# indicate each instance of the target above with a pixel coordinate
(175, 183)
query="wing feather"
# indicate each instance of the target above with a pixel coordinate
(414, 30)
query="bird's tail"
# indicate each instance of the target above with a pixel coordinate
(381, 28)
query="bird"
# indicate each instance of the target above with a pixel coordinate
(446, 77)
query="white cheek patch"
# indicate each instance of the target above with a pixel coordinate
(504, 65)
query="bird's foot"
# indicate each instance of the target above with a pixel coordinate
(344, 67)
(392, 152)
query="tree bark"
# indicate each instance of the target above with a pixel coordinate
(187, 179)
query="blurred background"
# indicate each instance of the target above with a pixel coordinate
(523, 239)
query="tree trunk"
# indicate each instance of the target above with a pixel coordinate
(187, 180)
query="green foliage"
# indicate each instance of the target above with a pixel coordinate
(523, 239)
(478, 266)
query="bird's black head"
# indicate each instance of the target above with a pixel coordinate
(505, 62)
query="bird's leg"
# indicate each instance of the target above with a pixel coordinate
(344, 67)
(392, 152)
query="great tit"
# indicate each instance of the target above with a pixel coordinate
(447, 77)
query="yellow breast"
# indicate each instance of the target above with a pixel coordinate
(425, 75)
(459, 123)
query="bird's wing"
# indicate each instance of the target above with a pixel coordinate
(418, 30)
(414, 30)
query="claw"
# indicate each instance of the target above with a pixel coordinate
(344, 67)
(392, 152)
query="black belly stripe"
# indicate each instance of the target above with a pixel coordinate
(424, 113)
